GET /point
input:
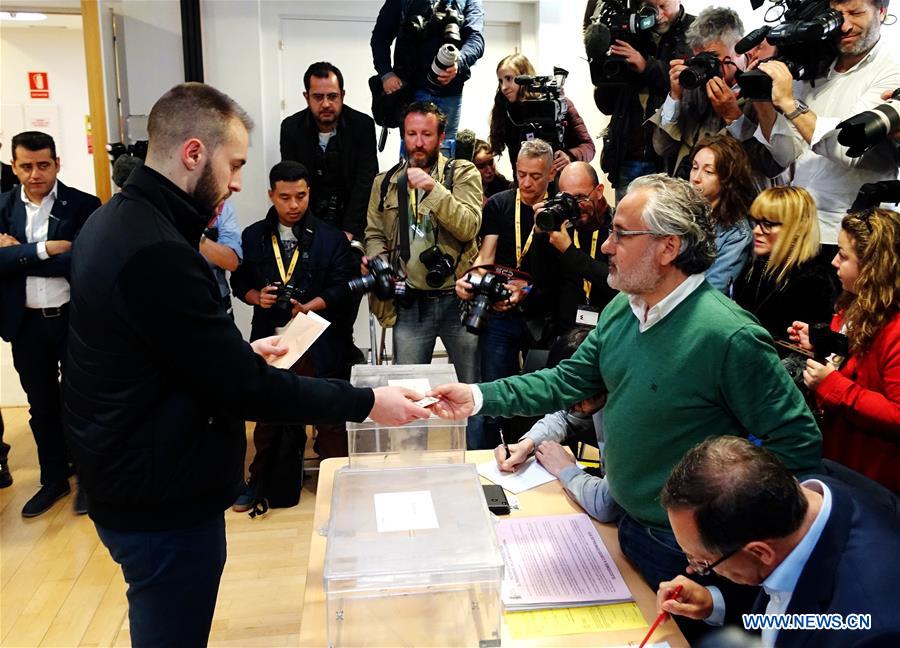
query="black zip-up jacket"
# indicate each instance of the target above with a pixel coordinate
(159, 380)
(330, 265)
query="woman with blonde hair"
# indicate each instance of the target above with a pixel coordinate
(506, 123)
(784, 281)
(860, 397)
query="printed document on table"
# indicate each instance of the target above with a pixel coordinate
(299, 335)
(575, 620)
(530, 475)
(557, 561)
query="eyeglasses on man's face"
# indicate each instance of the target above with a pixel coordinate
(617, 234)
(705, 568)
(766, 226)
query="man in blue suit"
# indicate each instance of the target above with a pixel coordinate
(39, 219)
(816, 548)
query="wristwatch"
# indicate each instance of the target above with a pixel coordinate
(796, 112)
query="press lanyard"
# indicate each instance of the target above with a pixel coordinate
(594, 237)
(290, 272)
(520, 252)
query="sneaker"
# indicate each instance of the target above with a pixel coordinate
(5, 475)
(44, 499)
(80, 506)
(247, 499)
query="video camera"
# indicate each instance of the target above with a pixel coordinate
(626, 20)
(382, 280)
(541, 113)
(873, 194)
(557, 211)
(806, 40)
(863, 131)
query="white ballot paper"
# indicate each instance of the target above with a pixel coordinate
(404, 511)
(556, 561)
(420, 385)
(530, 475)
(299, 335)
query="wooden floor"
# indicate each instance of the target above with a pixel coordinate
(59, 587)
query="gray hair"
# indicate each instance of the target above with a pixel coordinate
(714, 24)
(675, 208)
(536, 148)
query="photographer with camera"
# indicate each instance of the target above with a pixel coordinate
(436, 42)
(631, 80)
(510, 124)
(859, 396)
(805, 131)
(423, 217)
(584, 268)
(295, 263)
(337, 144)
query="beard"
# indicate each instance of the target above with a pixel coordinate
(416, 158)
(207, 195)
(641, 279)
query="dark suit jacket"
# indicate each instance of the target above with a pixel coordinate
(854, 568)
(70, 211)
(359, 161)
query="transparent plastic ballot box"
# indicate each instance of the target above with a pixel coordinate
(411, 559)
(418, 443)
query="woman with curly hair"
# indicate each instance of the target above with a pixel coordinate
(785, 281)
(506, 125)
(720, 171)
(860, 398)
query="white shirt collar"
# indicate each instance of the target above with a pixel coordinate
(648, 317)
(859, 64)
(51, 195)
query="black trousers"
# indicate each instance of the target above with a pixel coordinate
(39, 351)
(4, 447)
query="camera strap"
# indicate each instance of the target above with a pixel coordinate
(520, 251)
(403, 214)
(594, 237)
(276, 247)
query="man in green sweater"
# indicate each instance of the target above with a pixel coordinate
(681, 363)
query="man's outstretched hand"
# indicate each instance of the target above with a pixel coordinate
(455, 401)
(396, 406)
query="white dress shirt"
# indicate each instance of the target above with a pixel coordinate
(822, 166)
(42, 292)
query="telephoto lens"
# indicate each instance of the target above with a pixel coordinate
(445, 58)
(863, 131)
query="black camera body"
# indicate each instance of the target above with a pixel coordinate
(443, 20)
(806, 40)
(541, 114)
(282, 310)
(824, 341)
(873, 194)
(559, 210)
(630, 21)
(438, 264)
(382, 280)
(488, 288)
(700, 69)
(863, 131)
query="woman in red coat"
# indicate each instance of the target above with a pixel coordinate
(860, 400)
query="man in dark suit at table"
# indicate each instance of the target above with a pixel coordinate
(817, 548)
(337, 144)
(39, 219)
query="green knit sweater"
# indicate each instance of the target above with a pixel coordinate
(705, 369)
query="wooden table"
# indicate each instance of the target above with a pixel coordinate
(549, 499)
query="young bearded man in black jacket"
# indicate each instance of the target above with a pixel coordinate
(337, 144)
(292, 247)
(160, 380)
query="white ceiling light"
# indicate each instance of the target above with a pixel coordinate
(22, 16)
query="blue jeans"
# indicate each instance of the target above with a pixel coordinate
(654, 553)
(501, 342)
(628, 171)
(173, 580)
(450, 106)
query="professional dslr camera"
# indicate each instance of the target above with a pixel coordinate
(700, 69)
(488, 288)
(382, 280)
(626, 20)
(541, 114)
(873, 194)
(441, 19)
(559, 210)
(439, 266)
(824, 341)
(863, 131)
(806, 42)
(282, 310)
